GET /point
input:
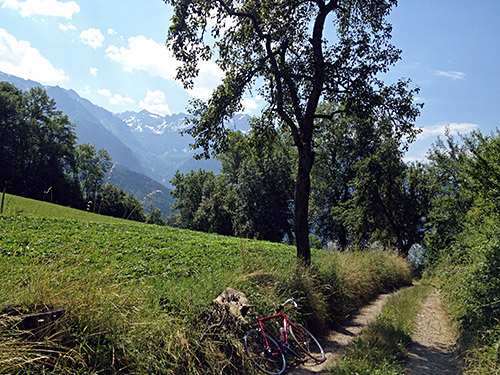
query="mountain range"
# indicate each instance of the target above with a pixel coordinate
(147, 148)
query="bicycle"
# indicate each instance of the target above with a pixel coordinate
(267, 351)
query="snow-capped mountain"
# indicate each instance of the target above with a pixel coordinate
(142, 142)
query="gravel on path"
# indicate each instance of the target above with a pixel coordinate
(335, 341)
(434, 349)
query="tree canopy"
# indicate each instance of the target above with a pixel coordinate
(36, 146)
(250, 198)
(283, 49)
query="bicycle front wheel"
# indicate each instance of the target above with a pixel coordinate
(307, 342)
(267, 357)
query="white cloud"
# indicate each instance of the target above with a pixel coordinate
(67, 27)
(209, 77)
(249, 105)
(450, 74)
(92, 37)
(143, 54)
(19, 58)
(53, 8)
(440, 129)
(155, 102)
(105, 92)
(94, 71)
(115, 99)
(111, 32)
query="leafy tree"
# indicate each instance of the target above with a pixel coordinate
(282, 45)
(214, 214)
(451, 197)
(251, 198)
(113, 201)
(463, 244)
(483, 166)
(92, 167)
(260, 175)
(11, 132)
(37, 146)
(339, 143)
(154, 216)
(190, 190)
(462, 171)
(390, 200)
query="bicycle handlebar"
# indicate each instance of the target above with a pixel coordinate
(292, 300)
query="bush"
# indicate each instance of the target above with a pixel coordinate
(470, 278)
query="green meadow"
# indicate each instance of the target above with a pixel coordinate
(137, 297)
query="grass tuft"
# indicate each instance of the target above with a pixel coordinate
(137, 297)
(382, 346)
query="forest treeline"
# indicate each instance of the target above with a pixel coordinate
(362, 190)
(39, 159)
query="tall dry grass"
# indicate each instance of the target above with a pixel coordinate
(161, 322)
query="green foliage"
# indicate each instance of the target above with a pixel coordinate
(339, 144)
(390, 200)
(154, 216)
(202, 201)
(262, 186)
(295, 66)
(464, 247)
(451, 197)
(36, 147)
(251, 198)
(92, 166)
(115, 202)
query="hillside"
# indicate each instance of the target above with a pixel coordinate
(143, 188)
(142, 142)
(137, 296)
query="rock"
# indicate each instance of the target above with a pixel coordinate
(232, 301)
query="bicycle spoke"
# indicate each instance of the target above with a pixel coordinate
(307, 342)
(268, 358)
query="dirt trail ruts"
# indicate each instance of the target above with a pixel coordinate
(335, 341)
(434, 343)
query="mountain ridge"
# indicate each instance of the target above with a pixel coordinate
(142, 142)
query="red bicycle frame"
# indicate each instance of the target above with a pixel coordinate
(286, 322)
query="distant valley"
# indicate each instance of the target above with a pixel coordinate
(147, 148)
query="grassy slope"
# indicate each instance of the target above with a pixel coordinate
(15, 205)
(137, 296)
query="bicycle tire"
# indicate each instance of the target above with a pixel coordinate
(270, 360)
(307, 342)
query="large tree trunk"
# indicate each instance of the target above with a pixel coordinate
(302, 190)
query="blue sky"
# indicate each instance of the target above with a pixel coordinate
(112, 52)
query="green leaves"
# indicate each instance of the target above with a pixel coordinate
(36, 146)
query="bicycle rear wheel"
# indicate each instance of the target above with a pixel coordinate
(268, 358)
(307, 342)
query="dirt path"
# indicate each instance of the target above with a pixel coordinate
(434, 343)
(335, 341)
